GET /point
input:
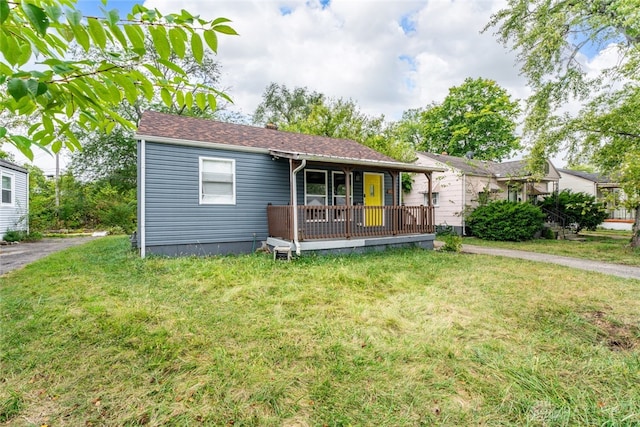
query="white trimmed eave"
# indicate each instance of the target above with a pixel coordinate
(378, 164)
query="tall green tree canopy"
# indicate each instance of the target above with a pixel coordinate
(39, 80)
(549, 37)
(284, 107)
(305, 111)
(478, 116)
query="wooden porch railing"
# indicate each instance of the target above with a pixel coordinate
(342, 222)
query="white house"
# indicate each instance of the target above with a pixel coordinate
(605, 191)
(14, 198)
(466, 181)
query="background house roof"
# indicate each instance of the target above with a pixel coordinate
(468, 166)
(593, 177)
(160, 125)
(502, 171)
(13, 166)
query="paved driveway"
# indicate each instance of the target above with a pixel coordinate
(17, 256)
(625, 271)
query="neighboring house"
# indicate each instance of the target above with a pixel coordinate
(14, 200)
(466, 181)
(206, 187)
(605, 191)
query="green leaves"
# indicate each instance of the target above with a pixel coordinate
(85, 93)
(17, 88)
(37, 17)
(4, 11)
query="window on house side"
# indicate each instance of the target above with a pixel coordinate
(7, 189)
(435, 199)
(217, 181)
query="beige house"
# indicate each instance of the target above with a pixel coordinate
(466, 181)
(604, 190)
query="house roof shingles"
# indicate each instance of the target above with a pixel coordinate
(161, 125)
(593, 177)
(469, 166)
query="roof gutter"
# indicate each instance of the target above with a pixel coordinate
(381, 164)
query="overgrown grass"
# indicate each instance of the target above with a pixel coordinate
(591, 246)
(96, 336)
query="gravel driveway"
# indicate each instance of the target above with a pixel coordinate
(18, 255)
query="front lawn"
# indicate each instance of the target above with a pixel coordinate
(96, 336)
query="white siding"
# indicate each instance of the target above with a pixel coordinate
(449, 187)
(576, 184)
(15, 217)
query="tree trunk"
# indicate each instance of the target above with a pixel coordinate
(635, 233)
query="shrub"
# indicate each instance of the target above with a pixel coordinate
(14, 236)
(21, 236)
(506, 221)
(579, 208)
(452, 243)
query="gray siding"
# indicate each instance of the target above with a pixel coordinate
(15, 217)
(175, 221)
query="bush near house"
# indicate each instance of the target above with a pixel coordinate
(506, 221)
(579, 208)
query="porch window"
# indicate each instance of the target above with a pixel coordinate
(217, 181)
(315, 192)
(7, 189)
(340, 192)
(512, 194)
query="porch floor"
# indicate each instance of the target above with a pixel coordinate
(357, 245)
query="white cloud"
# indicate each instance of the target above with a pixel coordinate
(388, 56)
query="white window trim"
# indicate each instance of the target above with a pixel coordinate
(200, 195)
(326, 184)
(326, 194)
(333, 187)
(437, 197)
(12, 203)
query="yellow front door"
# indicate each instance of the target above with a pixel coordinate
(372, 199)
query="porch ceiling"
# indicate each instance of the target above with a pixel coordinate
(371, 164)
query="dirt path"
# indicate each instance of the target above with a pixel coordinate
(17, 256)
(625, 271)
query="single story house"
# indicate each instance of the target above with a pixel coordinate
(604, 190)
(207, 187)
(465, 181)
(14, 199)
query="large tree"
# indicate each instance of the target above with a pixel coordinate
(552, 39)
(284, 107)
(112, 157)
(478, 117)
(305, 111)
(39, 80)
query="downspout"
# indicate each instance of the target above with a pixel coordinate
(294, 188)
(464, 202)
(142, 213)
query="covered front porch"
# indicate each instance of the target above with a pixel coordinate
(364, 216)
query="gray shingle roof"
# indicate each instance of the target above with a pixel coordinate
(593, 177)
(468, 166)
(161, 125)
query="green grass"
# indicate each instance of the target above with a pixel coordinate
(612, 248)
(96, 336)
